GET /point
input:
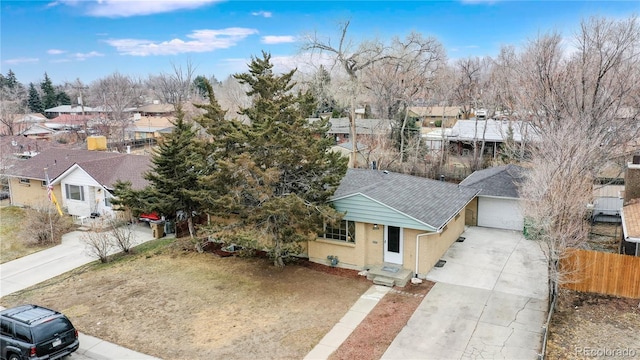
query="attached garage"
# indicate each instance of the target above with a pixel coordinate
(500, 213)
(498, 203)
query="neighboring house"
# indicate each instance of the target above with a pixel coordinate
(82, 180)
(498, 203)
(346, 148)
(428, 115)
(630, 213)
(156, 109)
(37, 131)
(365, 128)
(433, 138)
(493, 132)
(150, 127)
(69, 109)
(392, 218)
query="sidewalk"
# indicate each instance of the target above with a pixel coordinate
(349, 322)
(30, 270)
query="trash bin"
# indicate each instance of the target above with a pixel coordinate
(157, 229)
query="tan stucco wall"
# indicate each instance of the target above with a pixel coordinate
(366, 250)
(471, 213)
(33, 195)
(369, 247)
(432, 247)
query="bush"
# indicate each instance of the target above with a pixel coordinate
(98, 244)
(45, 226)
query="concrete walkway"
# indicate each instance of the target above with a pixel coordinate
(489, 301)
(341, 331)
(32, 269)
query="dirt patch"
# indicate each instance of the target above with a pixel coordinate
(376, 332)
(605, 237)
(586, 324)
(176, 304)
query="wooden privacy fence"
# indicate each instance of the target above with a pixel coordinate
(603, 273)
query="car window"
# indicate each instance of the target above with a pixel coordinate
(23, 333)
(50, 329)
(6, 327)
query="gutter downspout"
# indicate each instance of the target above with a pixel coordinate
(439, 231)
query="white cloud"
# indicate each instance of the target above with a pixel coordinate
(122, 8)
(273, 39)
(266, 14)
(21, 60)
(85, 56)
(56, 61)
(202, 41)
(55, 51)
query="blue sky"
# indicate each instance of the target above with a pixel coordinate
(89, 39)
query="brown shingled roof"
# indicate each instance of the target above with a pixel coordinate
(632, 219)
(105, 167)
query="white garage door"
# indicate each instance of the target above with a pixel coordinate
(500, 213)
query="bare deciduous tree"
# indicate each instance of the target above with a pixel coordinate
(575, 102)
(116, 94)
(98, 244)
(173, 88)
(352, 59)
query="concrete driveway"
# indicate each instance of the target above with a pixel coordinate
(489, 301)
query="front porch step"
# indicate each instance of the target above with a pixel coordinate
(383, 280)
(396, 275)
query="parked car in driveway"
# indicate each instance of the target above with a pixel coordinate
(32, 332)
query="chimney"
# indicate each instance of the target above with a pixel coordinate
(632, 180)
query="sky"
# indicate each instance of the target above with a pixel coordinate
(90, 39)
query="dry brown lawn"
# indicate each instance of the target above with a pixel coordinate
(594, 323)
(176, 304)
(12, 244)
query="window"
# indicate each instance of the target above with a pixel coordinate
(23, 333)
(44, 183)
(107, 201)
(7, 328)
(25, 181)
(74, 192)
(344, 231)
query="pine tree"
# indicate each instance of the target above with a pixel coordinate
(62, 98)
(34, 102)
(174, 174)
(288, 171)
(48, 93)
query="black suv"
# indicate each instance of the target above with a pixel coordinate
(31, 332)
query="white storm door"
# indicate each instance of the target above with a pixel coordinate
(393, 245)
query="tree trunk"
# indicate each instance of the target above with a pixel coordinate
(192, 229)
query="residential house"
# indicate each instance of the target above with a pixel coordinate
(392, 219)
(494, 133)
(82, 180)
(428, 115)
(365, 128)
(498, 202)
(38, 131)
(630, 213)
(70, 109)
(156, 109)
(150, 127)
(346, 150)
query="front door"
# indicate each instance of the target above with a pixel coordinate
(393, 245)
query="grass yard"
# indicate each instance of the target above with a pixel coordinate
(584, 323)
(12, 245)
(176, 304)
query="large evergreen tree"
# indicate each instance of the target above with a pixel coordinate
(49, 96)
(280, 178)
(34, 102)
(174, 174)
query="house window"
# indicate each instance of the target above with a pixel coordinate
(25, 181)
(44, 183)
(344, 231)
(107, 201)
(74, 192)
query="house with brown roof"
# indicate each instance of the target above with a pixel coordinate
(82, 180)
(428, 114)
(630, 213)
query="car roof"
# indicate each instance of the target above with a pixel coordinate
(29, 314)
